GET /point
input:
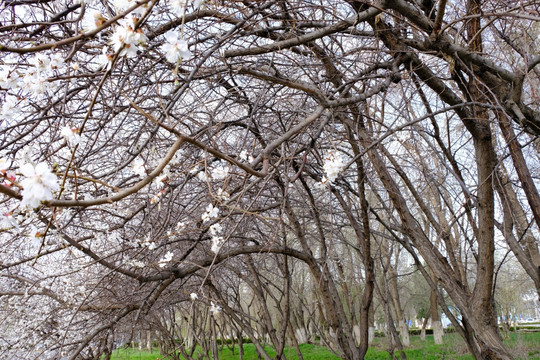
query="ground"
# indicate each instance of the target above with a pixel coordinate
(523, 345)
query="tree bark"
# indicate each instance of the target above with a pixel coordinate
(435, 318)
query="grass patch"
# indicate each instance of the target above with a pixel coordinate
(525, 346)
(136, 354)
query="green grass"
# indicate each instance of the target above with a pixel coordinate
(524, 346)
(136, 354)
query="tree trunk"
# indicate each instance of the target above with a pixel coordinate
(240, 336)
(214, 338)
(424, 324)
(435, 319)
(394, 295)
(371, 320)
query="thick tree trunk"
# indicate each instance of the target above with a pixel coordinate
(371, 321)
(485, 325)
(435, 319)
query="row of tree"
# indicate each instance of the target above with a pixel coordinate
(202, 171)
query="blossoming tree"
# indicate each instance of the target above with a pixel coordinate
(164, 160)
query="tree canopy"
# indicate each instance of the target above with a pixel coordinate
(194, 167)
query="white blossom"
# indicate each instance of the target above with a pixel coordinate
(7, 221)
(35, 233)
(104, 60)
(41, 62)
(148, 243)
(136, 263)
(166, 259)
(178, 6)
(211, 212)
(138, 167)
(36, 83)
(220, 172)
(333, 165)
(71, 135)
(159, 180)
(10, 107)
(217, 242)
(9, 78)
(155, 199)
(244, 155)
(126, 40)
(203, 176)
(175, 48)
(193, 296)
(222, 195)
(38, 185)
(216, 229)
(57, 61)
(123, 5)
(92, 20)
(214, 308)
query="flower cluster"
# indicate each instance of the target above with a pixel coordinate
(203, 176)
(166, 259)
(38, 185)
(71, 135)
(160, 182)
(33, 80)
(9, 78)
(135, 263)
(222, 195)
(180, 226)
(217, 239)
(149, 243)
(11, 106)
(220, 172)
(211, 212)
(333, 165)
(138, 167)
(127, 40)
(123, 5)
